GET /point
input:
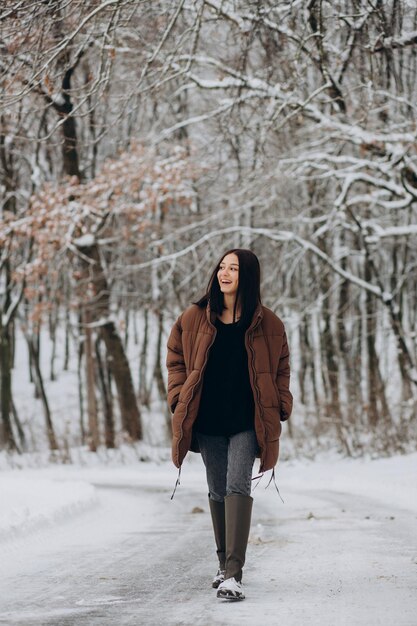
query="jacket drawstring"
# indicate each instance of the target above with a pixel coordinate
(275, 483)
(177, 483)
(260, 476)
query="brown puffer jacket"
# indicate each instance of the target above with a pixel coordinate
(268, 356)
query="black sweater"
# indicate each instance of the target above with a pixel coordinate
(226, 405)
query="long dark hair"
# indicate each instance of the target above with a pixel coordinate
(249, 288)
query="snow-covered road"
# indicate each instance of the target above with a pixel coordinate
(328, 556)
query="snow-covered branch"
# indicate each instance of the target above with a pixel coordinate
(382, 233)
(274, 235)
(391, 43)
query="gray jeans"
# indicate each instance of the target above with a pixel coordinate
(229, 462)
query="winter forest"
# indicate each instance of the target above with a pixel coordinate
(139, 140)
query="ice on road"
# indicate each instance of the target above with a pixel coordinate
(340, 551)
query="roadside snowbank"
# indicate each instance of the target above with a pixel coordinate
(29, 502)
(392, 481)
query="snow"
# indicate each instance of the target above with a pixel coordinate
(104, 544)
(31, 497)
(406, 39)
(393, 231)
(391, 481)
(58, 99)
(85, 241)
(29, 502)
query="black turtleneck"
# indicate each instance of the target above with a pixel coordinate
(226, 405)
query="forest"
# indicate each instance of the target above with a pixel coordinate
(139, 140)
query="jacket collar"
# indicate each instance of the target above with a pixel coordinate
(256, 319)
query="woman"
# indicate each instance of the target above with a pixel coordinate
(228, 390)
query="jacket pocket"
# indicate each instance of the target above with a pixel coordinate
(268, 390)
(272, 424)
(274, 382)
(188, 386)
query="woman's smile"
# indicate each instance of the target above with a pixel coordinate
(228, 274)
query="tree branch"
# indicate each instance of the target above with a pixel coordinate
(391, 43)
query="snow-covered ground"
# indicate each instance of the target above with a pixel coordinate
(101, 545)
(30, 502)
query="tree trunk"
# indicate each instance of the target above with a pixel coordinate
(93, 434)
(158, 370)
(331, 371)
(80, 390)
(307, 373)
(105, 387)
(69, 147)
(19, 427)
(52, 334)
(349, 361)
(330, 356)
(159, 376)
(66, 341)
(144, 393)
(34, 357)
(126, 328)
(7, 436)
(377, 402)
(99, 309)
(119, 367)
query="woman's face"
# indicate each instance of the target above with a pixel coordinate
(228, 274)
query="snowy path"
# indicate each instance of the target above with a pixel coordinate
(325, 557)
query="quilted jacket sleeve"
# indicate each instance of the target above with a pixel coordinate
(175, 365)
(283, 381)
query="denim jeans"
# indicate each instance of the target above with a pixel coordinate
(229, 462)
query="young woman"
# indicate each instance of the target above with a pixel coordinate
(228, 390)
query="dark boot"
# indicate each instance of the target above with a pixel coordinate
(217, 511)
(238, 513)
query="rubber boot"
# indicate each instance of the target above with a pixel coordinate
(238, 513)
(217, 510)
